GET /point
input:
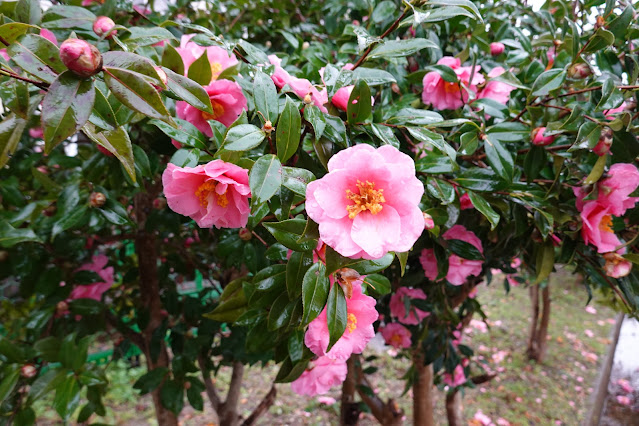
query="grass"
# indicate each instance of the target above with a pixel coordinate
(555, 392)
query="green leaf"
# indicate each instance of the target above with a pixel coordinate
(265, 178)
(296, 268)
(534, 162)
(29, 11)
(315, 288)
(12, 30)
(10, 236)
(280, 313)
(172, 60)
(385, 134)
(288, 131)
(484, 208)
(465, 250)
(336, 314)
(403, 259)
(510, 79)
(133, 90)
(186, 133)
(289, 232)
(9, 382)
(233, 303)
(296, 179)
(466, 4)
(315, 117)
(37, 56)
(587, 137)
(441, 189)
(548, 81)
(434, 139)
(116, 142)
(188, 90)
(433, 163)
(359, 103)
(67, 397)
(265, 95)
(620, 24)
(379, 284)
(102, 115)
(597, 171)
(499, 158)
(70, 220)
(66, 108)
(145, 36)
(335, 261)
(200, 70)
(545, 261)
(401, 48)
(172, 396)
(134, 63)
(373, 76)
(11, 129)
(243, 137)
(601, 39)
(62, 17)
(444, 71)
(290, 371)
(151, 380)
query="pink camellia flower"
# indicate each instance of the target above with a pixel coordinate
(367, 205)
(465, 203)
(597, 227)
(341, 97)
(605, 142)
(321, 375)
(213, 194)
(615, 190)
(624, 400)
(460, 269)
(82, 58)
(458, 377)
(219, 58)
(227, 100)
(429, 263)
(497, 48)
(4, 54)
(36, 132)
(95, 290)
(103, 26)
(496, 90)
(538, 138)
(396, 335)
(610, 113)
(444, 95)
(616, 266)
(625, 385)
(300, 86)
(551, 53)
(359, 328)
(398, 306)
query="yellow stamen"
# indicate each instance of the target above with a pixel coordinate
(218, 110)
(451, 87)
(207, 188)
(351, 325)
(396, 340)
(368, 199)
(606, 223)
(216, 69)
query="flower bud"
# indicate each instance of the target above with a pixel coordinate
(579, 71)
(305, 45)
(308, 99)
(268, 127)
(187, 385)
(82, 58)
(62, 307)
(159, 203)
(245, 234)
(105, 151)
(497, 48)
(50, 211)
(97, 199)
(268, 44)
(616, 266)
(163, 78)
(605, 142)
(103, 26)
(28, 371)
(4, 255)
(429, 223)
(538, 138)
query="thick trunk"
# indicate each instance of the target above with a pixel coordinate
(228, 410)
(537, 342)
(349, 410)
(454, 410)
(145, 248)
(386, 413)
(423, 393)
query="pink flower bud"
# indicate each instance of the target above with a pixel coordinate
(104, 151)
(245, 234)
(97, 199)
(28, 371)
(103, 26)
(159, 203)
(605, 142)
(82, 58)
(429, 223)
(579, 71)
(539, 139)
(163, 78)
(497, 48)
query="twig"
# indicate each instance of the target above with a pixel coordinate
(566, 109)
(390, 29)
(43, 86)
(4, 41)
(262, 407)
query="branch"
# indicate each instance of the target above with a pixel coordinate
(390, 29)
(208, 384)
(262, 407)
(385, 413)
(43, 86)
(566, 109)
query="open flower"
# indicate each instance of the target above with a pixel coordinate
(218, 57)
(496, 90)
(94, 290)
(398, 303)
(300, 86)
(615, 190)
(597, 226)
(341, 97)
(458, 377)
(213, 194)
(444, 95)
(460, 269)
(321, 375)
(359, 328)
(396, 335)
(367, 205)
(227, 100)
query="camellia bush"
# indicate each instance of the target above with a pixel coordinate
(277, 182)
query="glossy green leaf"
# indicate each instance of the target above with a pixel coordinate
(545, 261)
(444, 71)
(597, 171)
(29, 11)
(232, 304)
(296, 179)
(186, 133)
(10, 236)
(265, 178)
(373, 76)
(288, 131)
(289, 233)
(67, 397)
(134, 63)
(378, 284)
(188, 90)
(336, 315)
(296, 268)
(385, 134)
(37, 56)
(484, 208)
(145, 36)
(116, 142)
(335, 261)
(12, 30)
(315, 117)
(548, 81)
(265, 96)
(401, 48)
(200, 70)
(315, 288)
(464, 250)
(102, 115)
(243, 137)
(601, 39)
(434, 139)
(9, 382)
(172, 60)
(11, 129)
(172, 396)
(66, 108)
(359, 103)
(280, 313)
(499, 158)
(62, 17)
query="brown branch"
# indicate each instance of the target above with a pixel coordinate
(41, 85)
(262, 407)
(390, 29)
(566, 109)
(211, 392)
(4, 41)
(386, 413)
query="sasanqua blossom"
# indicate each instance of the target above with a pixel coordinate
(447, 95)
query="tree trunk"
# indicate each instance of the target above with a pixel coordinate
(387, 413)
(145, 248)
(423, 393)
(349, 410)
(454, 410)
(228, 410)
(537, 340)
